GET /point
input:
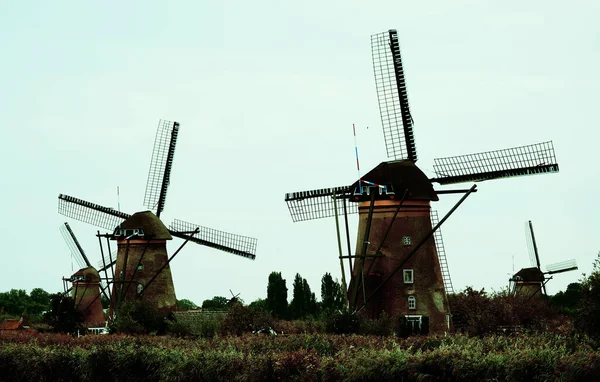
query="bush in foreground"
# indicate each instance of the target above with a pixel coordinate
(297, 357)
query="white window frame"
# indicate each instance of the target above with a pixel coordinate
(412, 301)
(412, 276)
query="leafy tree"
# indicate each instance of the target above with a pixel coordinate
(259, 305)
(568, 302)
(588, 317)
(63, 316)
(185, 304)
(277, 295)
(105, 302)
(215, 303)
(137, 317)
(39, 301)
(332, 295)
(303, 301)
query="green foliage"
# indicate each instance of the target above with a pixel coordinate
(259, 305)
(216, 303)
(304, 302)
(17, 302)
(342, 322)
(332, 294)
(242, 319)
(588, 314)
(569, 301)
(63, 316)
(478, 313)
(536, 357)
(185, 304)
(137, 317)
(277, 295)
(105, 302)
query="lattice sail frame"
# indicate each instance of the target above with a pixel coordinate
(72, 247)
(159, 174)
(237, 244)
(562, 266)
(533, 159)
(318, 204)
(90, 213)
(394, 109)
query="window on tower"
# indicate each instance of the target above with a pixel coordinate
(408, 276)
(412, 302)
(139, 288)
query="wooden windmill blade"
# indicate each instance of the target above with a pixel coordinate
(161, 163)
(224, 241)
(394, 109)
(91, 213)
(534, 257)
(76, 250)
(562, 266)
(318, 204)
(533, 159)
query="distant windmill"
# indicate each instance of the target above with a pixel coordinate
(86, 284)
(397, 268)
(142, 265)
(532, 281)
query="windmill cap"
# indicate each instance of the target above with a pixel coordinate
(149, 223)
(89, 274)
(401, 175)
(530, 274)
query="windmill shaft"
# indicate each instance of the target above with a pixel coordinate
(81, 251)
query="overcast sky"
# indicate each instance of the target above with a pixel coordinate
(266, 94)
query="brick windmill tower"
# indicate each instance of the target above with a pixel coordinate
(141, 268)
(85, 283)
(396, 265)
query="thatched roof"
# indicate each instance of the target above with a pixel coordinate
(402, 175)
(148, 222)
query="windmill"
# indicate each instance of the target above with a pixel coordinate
(86, 284)
(141, 268)
(397, 268)
(532, 281)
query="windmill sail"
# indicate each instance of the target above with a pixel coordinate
(441, 251)
(239, 245)
(563, 266)
(90, 213)
(159, 174)
(533, 159)
(76, 250)
(318, 204)
(394, 109)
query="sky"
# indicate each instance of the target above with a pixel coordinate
(266, 94)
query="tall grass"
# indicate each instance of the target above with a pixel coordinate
(539, 357)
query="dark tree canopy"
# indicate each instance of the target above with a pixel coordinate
(332, 295)
(17, 302)
(185, 304)
(303, 301)
(215, 303)
(277, 295)
(588, 317)
(63, 316)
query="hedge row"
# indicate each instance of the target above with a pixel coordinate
(297, 357)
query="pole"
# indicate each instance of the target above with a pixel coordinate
(339, 240)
